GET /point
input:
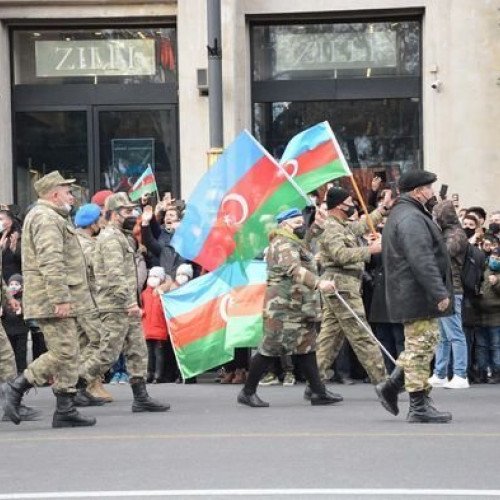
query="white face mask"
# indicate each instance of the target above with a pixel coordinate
(1, 227)
(181, 279)
(153, 281)
(14, 287)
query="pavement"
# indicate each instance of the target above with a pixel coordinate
(209, 446)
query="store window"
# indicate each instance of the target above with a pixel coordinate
(362, 77)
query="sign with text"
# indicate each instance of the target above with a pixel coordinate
(323, 51)
(95, 58)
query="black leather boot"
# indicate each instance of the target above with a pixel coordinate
(142, 400)
(11, 395)
(26, 413)
(251, 400)
(328, 397)
(388, 390)
(84, 398)
(422, 410)
(66, 415)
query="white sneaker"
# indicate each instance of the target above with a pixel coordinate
(435, 381)
(457, 383)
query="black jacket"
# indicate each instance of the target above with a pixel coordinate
(416, 263)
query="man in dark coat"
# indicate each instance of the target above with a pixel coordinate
(419, 289)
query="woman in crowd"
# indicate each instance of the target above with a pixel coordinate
(10, 244)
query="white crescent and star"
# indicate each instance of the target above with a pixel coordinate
(238, 198)
(223, 307)
(295, 167)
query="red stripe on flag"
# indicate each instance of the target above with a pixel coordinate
(149, 179)
(255, 187)
(202, 321)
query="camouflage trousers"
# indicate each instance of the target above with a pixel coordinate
(421, 337)
(89, 334)
(7, 361)
(61, 359)
(119, 333)
(339, 324)
(286, 338)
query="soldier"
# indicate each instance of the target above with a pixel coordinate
(291, 308)
(343, 260)
(56, 290)
(87, 220)
(118, 303)
(419, 289)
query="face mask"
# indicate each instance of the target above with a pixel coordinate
(469, 232)
(153, 281)
(67, 207)
(431, 203)
(181, 279)
(1, 227)
(96, 230)
(14, 288)
(494, 228)
(300, 231)
(494, 264)
(129, 223)
(350, 211)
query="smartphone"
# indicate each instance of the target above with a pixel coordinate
(455, 199)
(394, 190)
(443, 191)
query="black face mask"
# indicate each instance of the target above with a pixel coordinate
(494, 228)
(129, 223)
(300, 231)
(431, 203)
(469, 232)
(349, 211)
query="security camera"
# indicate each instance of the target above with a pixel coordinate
(436, 85)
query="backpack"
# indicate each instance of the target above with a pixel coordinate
(472, 273)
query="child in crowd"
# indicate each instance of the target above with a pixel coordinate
(154, 324)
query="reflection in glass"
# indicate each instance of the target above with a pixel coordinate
(47, 141)
(340, 50)
(130, 141)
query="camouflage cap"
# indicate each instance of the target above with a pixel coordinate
(119, 200)
(50, 181)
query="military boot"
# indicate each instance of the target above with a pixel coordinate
(142, 400)
(66, 415)
(388, 390)
(84, 397)
(251, 400)
(26, 413)
(97, 390)
(11, 395)
(422, 410)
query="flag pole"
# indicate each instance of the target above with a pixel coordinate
(156, 184)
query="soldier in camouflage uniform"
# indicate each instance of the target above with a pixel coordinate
(291, 308)
(87, 220)
(118, 302)
(343, 260)
(56, 290)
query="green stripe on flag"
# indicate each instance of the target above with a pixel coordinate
(146, 189)
(244, 331)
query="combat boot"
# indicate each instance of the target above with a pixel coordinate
(322, 399)
(142, 400)
(251, 400)
(11, 395)
(66, 415)
(422, 410)
(26, 413)
(97, 390)
(84, 397)
(388, 390)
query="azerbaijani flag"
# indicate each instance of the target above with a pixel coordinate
(211, 315)
(145, 184)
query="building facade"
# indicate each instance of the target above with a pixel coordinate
(102, 89)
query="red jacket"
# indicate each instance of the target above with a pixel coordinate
(153, 319)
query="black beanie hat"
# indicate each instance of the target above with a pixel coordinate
(415, 178)
(335, 196)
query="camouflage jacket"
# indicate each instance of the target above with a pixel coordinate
(115, 271)
(341, 256)
(53, 264)
(291, 293)
(87, 243)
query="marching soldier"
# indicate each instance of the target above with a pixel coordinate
(118, 303)
(56, 290)
(343, 260)
(291, 309)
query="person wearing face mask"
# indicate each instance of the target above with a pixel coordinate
(10, 244)
(470, 225)
(291, 308)
(494, 226)
(118, 301)
(56, 291)
(89, 324)
(418, 289)
(343, 260)
(183, 274)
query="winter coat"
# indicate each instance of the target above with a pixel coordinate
(484, 310)
(13, 323)
(11, 259)
(455, 239)
(153, 319)
(416, 262)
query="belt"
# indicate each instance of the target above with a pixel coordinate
(355, 273)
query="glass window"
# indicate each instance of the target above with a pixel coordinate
(339, 50)
(130, 141)
(376, 135)
(47, 141)
(130, 55)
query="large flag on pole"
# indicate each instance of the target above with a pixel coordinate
(145, 184)
(213, 314)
